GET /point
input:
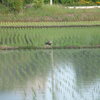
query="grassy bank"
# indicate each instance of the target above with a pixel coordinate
(50, 13)
(60, 36)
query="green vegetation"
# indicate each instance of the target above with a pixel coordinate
(50, 13)
(27, 13)
(60, 37)
(18, 5)
(49, 23)
(13, 5)
(74, 2)
(25, 68)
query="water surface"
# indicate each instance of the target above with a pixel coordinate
(50, 74)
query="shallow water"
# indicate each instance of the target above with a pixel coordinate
(50, 74)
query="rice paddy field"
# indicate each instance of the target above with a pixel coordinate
(50, 74)
(36, 37)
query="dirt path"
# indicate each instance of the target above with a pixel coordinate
(82, 7)
(65, 47)
(53, 26)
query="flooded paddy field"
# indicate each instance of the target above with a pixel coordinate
(50, 74)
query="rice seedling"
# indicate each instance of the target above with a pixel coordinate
(49, 23)
(59, 36)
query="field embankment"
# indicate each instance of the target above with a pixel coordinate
(49, 13)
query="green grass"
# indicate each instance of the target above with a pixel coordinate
(51, 13)
(60, 37)
(49, 23)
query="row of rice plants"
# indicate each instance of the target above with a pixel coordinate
(49, 23)
(60, 37)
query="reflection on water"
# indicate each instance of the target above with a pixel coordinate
(50, 74)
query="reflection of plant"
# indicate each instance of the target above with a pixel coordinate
(85, 63)
(17, 67)
(33, 94)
